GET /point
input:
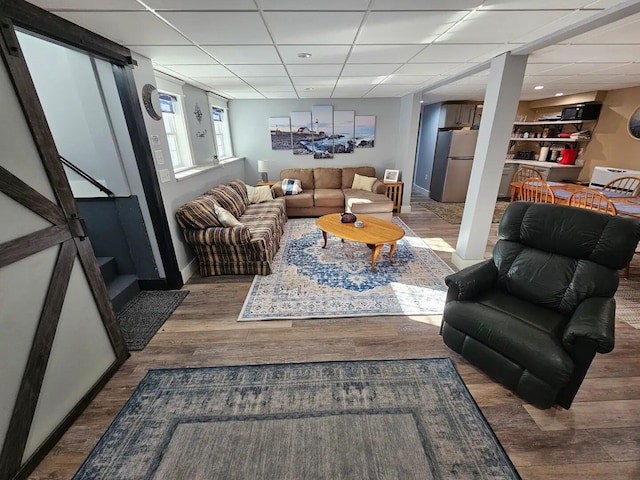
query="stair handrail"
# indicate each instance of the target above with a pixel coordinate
(86, 176)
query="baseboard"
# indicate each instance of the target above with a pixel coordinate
(188, 271)
(420, 190)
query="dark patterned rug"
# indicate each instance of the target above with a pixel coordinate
(403, 419)
(452, 212)
(143, 315)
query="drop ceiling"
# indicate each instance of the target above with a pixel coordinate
(365, 48)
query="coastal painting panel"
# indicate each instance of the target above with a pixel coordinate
(301, 133)
(322, 118)
(280, 130)
(344, 124)
(365, 131)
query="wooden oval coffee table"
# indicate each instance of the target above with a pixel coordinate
(375, 233)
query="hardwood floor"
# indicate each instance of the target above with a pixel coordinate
(598, 438)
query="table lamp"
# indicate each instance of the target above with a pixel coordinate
(263, 169)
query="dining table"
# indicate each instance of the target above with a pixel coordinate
(624, 203)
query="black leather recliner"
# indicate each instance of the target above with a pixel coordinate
(535, 314)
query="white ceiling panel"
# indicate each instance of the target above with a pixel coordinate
(426, 5)
(244, 94)
(351, 91)
(291, 94)
(409, 79)
(313, 28)
(311, 70)
(578, 69)
(586, 53)
(623, 69)
(622, 31)
(326, 5)
(196, 71)
(557, 24)
(270, 82)
(220, 82)
(537, 5)
(239, 54)
(129, 28)
(315, 81)
(406, 27)
(498, 26)
(258, 70)
(383, 53)
(442, 52)
(425, 68)
(319, 53)
(201, 4)
(315, 93)
(220, 28)
(173, 54)
(368, 69)
(360, 81)
(53, 5)
(390, 91)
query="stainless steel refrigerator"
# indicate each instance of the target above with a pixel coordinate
(452, 165)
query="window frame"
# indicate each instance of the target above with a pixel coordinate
(218, 103)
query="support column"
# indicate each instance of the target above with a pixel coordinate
(499, 111)
(408, 144)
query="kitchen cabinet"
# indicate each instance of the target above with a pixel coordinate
(455, 115)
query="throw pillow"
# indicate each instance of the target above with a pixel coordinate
(225, 218)
(259, 194)
(291, 186)
(361, 182)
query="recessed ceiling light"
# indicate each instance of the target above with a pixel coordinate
(559, 94)
(304, 55)
(538, 87)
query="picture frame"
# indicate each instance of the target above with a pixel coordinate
(391, 176)
(634, 124)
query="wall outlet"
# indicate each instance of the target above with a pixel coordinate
(159, 157)
(165, 176)
(426, 176)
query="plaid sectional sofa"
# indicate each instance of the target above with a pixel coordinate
(246, 249)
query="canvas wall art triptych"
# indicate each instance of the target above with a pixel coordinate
(322, 132)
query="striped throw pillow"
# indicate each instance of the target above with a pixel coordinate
(291, 186)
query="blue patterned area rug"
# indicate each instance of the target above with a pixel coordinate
(308, 281)
(404, 419)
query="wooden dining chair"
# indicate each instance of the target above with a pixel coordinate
(536, 190)
(520, 176)
(629, 186)
(593, 200)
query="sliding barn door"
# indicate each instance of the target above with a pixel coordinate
(59, 339)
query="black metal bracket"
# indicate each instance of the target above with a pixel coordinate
(78, 226)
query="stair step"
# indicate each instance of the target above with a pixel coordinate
(108, 268)
(122, 289)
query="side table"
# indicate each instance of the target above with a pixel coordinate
(394, 192)
(262, 184)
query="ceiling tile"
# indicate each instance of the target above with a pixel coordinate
(497, 26)
(173, 54)
(383, 53)
(271, 82)
(313, 28)
(258, 70)
(129, 28)
(623, 31)
(326, 5)
(624, 69)
(425, 68)
(244, 94)
(537, 5)
(319, 53)
(201, 4)
(351, 91)
(406, 27)
(239, 54)
(442, 52)
(196, 71)
(220, 28)
(558, 24)
(315, 81)
(579, 68)
(274, 89)
(541, 68)
(360, 81)
(311, 70)
(422, 5)
(291, 94)
(53, 5)
(220, 82)
(409, 79)
(315, 93)
(390, 91)
(586, 53)
(365, 69)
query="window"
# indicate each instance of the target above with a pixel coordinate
(174, 124)
(222, 134)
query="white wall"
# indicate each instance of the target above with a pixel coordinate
(250, 133)
(176, 193)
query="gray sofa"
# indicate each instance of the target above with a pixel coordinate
(328, 190)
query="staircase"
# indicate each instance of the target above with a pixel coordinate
(122, 288)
